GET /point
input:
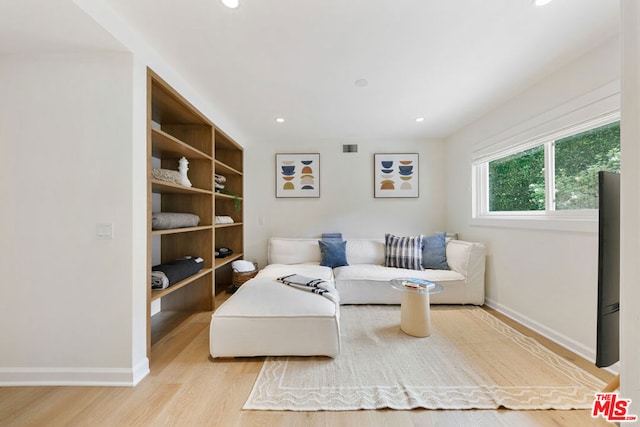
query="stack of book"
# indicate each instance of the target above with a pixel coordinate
(418, 284)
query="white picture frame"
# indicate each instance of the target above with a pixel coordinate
(396, 175)
(297, 175)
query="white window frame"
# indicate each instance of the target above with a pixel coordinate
(594, 110)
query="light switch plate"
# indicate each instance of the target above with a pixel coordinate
(104, 231)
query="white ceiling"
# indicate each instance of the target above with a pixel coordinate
(49, 26)
(449, 61)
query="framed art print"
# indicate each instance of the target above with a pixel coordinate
(298, 175)
(395, 175)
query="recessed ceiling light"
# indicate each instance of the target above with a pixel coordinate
(231, 3)
(541, 2)
(420, 119)
(280, 120)
(361, 82)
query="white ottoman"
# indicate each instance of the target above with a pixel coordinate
(267, 318)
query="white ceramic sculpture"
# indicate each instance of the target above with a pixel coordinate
(183, 168)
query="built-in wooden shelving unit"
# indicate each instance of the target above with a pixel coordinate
(176, 129)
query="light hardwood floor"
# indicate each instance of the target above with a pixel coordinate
(187, 388)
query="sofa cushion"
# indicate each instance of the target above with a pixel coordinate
(333, 253)
(369, 284)
(434, 252)
(293, 251)
(273, 271)
(268, 318)
(262, 296)
(365, 251)
(379, 273)
(403, 252)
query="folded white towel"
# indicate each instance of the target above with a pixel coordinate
(223, 219)
(159, 280)
(242, 266)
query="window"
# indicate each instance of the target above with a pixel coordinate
(549, 177)
(515, 182)
(578, 159)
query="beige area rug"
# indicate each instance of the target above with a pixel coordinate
(471, 361)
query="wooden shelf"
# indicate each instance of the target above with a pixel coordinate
(180, 230)
(221, 262)
(165, 322)
(167, 146)
(226, 196)
(235, 224)
(176, 129)
(222, 168)
(158, 186)
(169, 107)
(228, 152)
(164, 292)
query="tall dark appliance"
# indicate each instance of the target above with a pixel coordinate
(608, 326)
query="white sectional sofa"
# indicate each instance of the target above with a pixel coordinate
(366, 280)
(267, 318)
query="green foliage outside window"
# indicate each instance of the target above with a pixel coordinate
(514, 182)
(578, 160)
(517, 182)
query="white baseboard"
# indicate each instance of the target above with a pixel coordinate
(560, 339)
(106, 377)
(140, 371)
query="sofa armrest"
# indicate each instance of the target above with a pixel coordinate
(466, 257)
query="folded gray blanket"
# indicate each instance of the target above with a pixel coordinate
(309, 284)
(167, 220)
(171, 272)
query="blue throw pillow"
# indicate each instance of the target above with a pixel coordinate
(434, 252)
(333, 253)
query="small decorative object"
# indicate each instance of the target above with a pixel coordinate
(223, 252)
(395, 175)
(218, 181)
(183, 168)
(298, 175)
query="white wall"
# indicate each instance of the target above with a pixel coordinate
(346, 203)
(146, 54)
(546, 279)
(67, 298)
(630, 207)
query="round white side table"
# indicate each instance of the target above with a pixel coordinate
(415, 315)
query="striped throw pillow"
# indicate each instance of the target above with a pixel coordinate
(403, 252)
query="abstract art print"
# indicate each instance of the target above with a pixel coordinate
(298, 175)
(395, 175)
